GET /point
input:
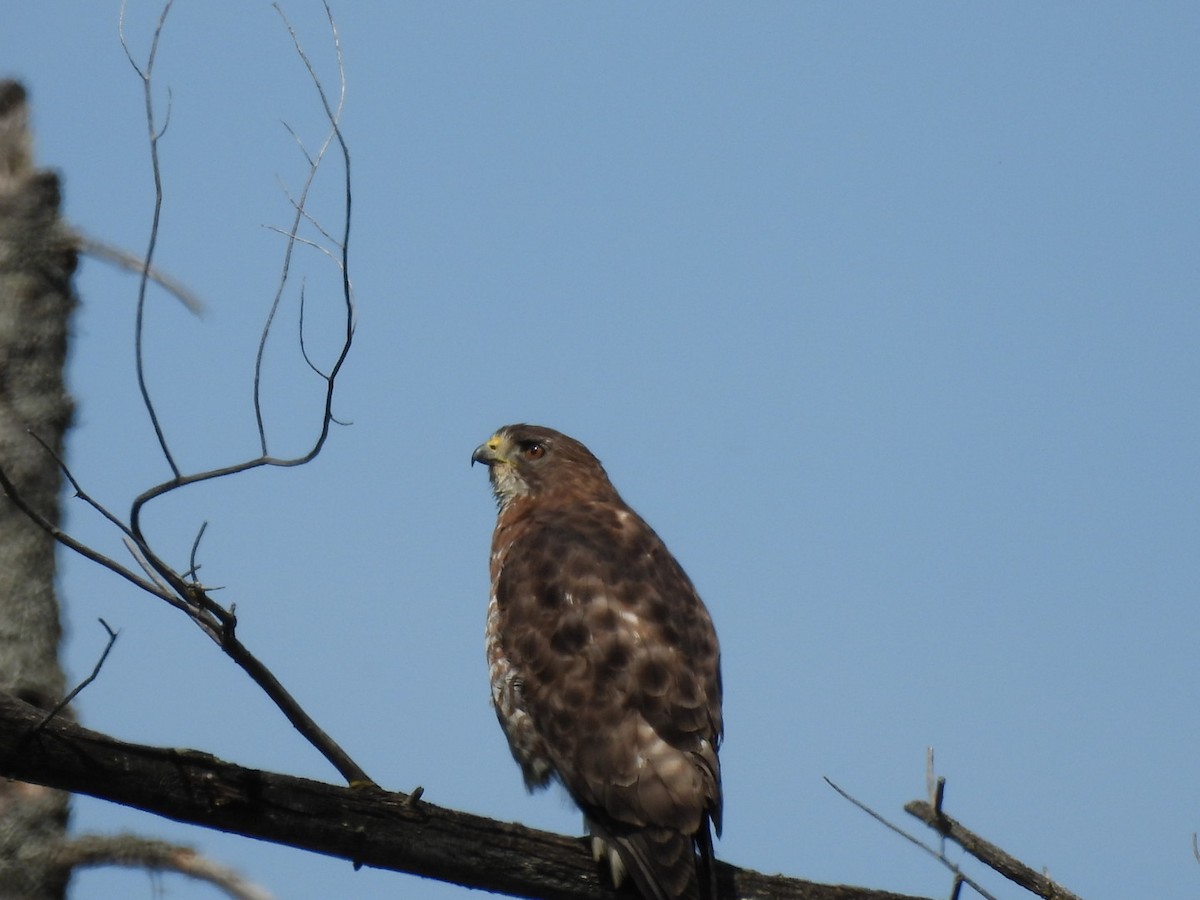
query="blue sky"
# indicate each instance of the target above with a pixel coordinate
(884, 315)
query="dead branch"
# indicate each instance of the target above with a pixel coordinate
(192, 598)
(155, 133)
(333, 114)
(123, 259)
(932, 815)
(1014, 870)
(134, 851)
(74, 692)
(363, 826)
(960, 878)
(181, 589)
(984, 851)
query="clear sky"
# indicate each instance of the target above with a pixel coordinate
(885, 315)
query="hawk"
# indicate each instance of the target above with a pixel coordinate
(604, 665)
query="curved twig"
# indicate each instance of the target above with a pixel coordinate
(193, 566)
(182, 590)
(134, 851)
(146, 75)
(333, 116)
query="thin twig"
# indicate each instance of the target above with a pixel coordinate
(940, 857)
(65, 701)
(9, 489)
(303, 345)
(193, 568)
(312, 220)
(334, 117)
(299, 206)
(300, 144)
(308, 359)
(933, 789)
(75, 486)
(307, 242)
(930, 774)
(146, 76)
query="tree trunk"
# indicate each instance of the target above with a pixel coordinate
(37, 259)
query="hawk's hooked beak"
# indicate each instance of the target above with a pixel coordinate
(488, 453)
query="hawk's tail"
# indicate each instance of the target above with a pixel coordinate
(663, 863)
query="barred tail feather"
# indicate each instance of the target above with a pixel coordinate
(661, 862)
(664, 864)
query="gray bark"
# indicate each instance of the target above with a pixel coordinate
(37, 259)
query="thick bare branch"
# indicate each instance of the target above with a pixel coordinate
(366, 827)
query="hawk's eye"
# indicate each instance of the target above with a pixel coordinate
(534, 451)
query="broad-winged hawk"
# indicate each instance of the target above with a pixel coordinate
(604, 664)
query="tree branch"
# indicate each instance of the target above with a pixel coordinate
(986, 852)
(155, 133)
(182, 590)
(123, 259)
(960, 878)
(367, 827)
(74, 692)
(134, 851)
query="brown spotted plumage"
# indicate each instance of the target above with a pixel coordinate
(604, 664)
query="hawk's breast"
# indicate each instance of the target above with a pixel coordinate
(527, 746)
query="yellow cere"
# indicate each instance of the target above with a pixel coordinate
(495, 442)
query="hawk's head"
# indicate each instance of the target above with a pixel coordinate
(530, 460)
